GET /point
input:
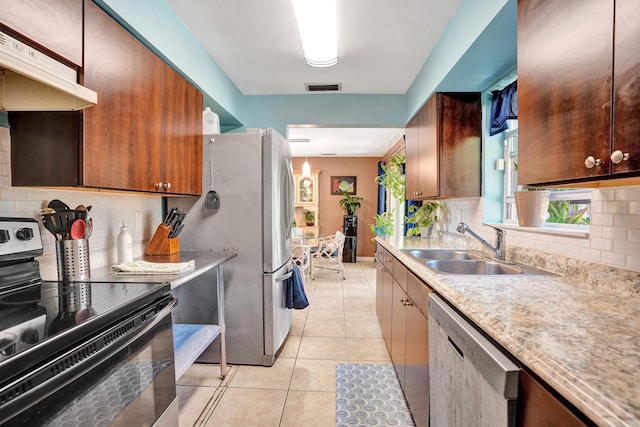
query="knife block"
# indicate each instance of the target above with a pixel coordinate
(161, 244)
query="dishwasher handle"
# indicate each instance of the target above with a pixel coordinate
(455, 348)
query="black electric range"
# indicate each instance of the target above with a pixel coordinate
(49, 329)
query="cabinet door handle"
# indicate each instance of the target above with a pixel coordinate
(167, 185)
(158, 185)
(590, 162)
(618, 156)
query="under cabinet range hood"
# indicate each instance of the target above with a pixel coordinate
(33, 81)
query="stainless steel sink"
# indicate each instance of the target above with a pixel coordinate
(442, 254)
(467, 262)
(478, 267)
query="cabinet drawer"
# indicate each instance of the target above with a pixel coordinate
(418, 292)
(400, 273)
(386, 258)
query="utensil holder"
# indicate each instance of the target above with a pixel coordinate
(73, 260)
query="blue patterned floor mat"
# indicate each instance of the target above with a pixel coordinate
(370, 395)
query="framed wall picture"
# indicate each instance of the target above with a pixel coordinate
(343, 184)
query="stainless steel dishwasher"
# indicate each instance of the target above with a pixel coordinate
(472, 383)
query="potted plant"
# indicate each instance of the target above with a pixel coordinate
(393, 178)
(309, 218)
(350, 203)
(383, 225)
(424, 218)
(531, 206)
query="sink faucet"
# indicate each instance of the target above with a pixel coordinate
(499, 250)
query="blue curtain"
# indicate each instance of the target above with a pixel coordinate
(382, 195)
(407, 204)
(504, 106)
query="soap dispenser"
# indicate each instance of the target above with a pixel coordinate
(125, 245)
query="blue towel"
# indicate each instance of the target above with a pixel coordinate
(296, 297)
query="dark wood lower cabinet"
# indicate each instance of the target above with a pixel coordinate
(538, 407)
(401, 306)
(416, 371)
(399, 331)
(387, 307)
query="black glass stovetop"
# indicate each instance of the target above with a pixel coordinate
(35, 312)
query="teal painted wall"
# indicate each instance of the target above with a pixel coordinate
(278, 111)
(492, 179)
(458, 41)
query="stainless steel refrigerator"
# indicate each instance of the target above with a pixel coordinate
(253, 177)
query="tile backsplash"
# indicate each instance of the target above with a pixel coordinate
(141, 214)
(614, 233)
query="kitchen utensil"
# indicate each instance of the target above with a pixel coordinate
(176, 232)
(50, 224)
(77, 229)
(54, 223)
(58, 205)
(89, 228)
(212, 200)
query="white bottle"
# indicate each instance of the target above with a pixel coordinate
(210, 122)
(125, 245)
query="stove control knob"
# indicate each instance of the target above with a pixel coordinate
(24, 234)
(30, 336)
(4, 236)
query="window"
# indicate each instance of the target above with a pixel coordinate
(567, 207)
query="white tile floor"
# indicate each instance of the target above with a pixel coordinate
(339, 326)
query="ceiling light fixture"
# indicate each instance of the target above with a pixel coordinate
(317, 27)
(306, 167)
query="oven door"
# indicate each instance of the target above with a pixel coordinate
(120, 376)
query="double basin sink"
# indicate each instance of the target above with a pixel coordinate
(465, 262)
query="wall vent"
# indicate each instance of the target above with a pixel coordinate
(323, 87)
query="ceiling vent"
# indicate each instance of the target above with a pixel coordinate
(323, 87)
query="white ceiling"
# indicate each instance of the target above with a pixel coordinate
(382, 45)
(342, 142)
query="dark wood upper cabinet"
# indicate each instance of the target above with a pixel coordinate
(444, 150)
(55, 25)
(145, 133)
(568, 129)
(123, 133)
(626, 89)
(181, 134)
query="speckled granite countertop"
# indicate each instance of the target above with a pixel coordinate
(582, 339)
